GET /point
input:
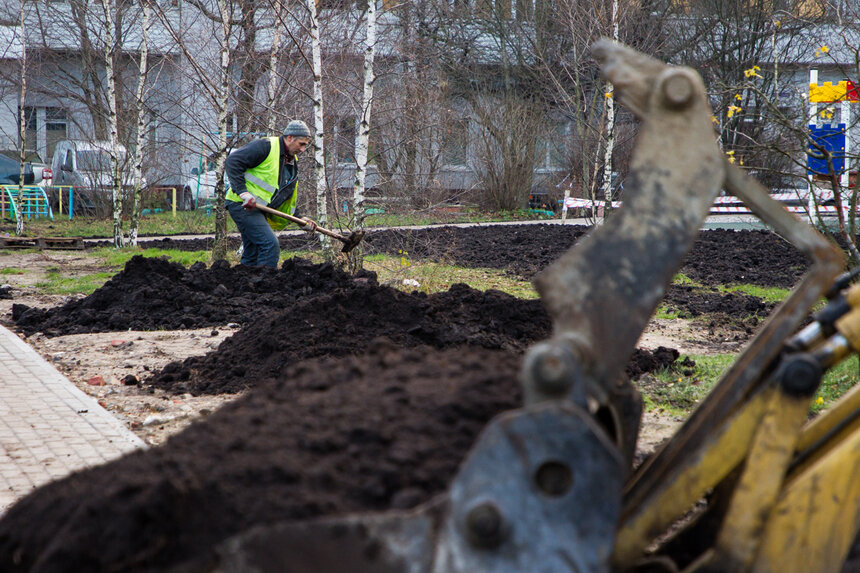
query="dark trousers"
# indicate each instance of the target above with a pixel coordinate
(259, 243)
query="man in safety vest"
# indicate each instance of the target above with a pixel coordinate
(266, 171)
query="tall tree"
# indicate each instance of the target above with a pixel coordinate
(141, 123)
(319, 118)
(113, 137)
(362, 139)
(22, 121)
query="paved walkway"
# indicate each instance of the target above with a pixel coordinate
(48, 427)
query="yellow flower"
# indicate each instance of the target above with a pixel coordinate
(732, 110)
(821, 50)
(753, 72)
(715, 120)
(819, 401)
(738, 97)
(731, 155)
(608, 94)
(777, 23)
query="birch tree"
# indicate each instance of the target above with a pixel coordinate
(22, 124)
(141, 124)
(319, 125)
(219, 250)
(362, 139)
(610, 125)
(271, 88)
(113, 134)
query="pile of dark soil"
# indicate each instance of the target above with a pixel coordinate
(718, 257)
(345, 321)
(761, 258)
(384, 429)
(738, 311)
(152, 294)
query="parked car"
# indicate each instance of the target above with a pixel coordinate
(86, 166)
(194, 182)
(10, 172)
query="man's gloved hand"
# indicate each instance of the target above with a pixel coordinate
(310, 225)
(248, 201)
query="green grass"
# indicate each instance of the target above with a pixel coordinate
(767, 294)
(12, 271)
(56, 283)
(435, 277)
(201, 221)
(678, 392)
(112, 261)
(185, 222)
(666, 312)
(683, 280)
(117, 258)
(837, 382)
(436, 217)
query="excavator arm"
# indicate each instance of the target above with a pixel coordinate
(744, 485)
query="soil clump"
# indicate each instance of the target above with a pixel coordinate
(384, 429)
(153, 293)
(343, 322)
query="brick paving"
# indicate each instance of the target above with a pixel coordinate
(48, 427)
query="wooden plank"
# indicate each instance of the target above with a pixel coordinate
(66, 243)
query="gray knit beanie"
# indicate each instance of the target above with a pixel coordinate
(297, 128)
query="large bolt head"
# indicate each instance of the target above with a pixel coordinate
(552, 369)
(677, 89)
(485, 525)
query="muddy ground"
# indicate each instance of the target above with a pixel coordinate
(357, 396)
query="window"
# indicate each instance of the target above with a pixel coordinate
(45, 126)
(525, 9)
(93, 160)
(31, 143)
(551, 149)
(345, 140)
(56, 129)
(455, 142)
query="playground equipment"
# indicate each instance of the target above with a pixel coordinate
(34, 203)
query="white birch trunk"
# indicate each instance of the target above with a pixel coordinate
(319, 127)
(271, 124)
(141, 126)
(610, 125)
(362, 138)
(116, 191)
(220, 249)
(22, 128)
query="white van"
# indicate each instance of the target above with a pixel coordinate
(85, 164)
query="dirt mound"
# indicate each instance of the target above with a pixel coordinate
(383, 429)
(718, 256)
(152, 294)
(761, 258)
(291, 242)
(522, 250)
(692, 302)
(346, 320)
